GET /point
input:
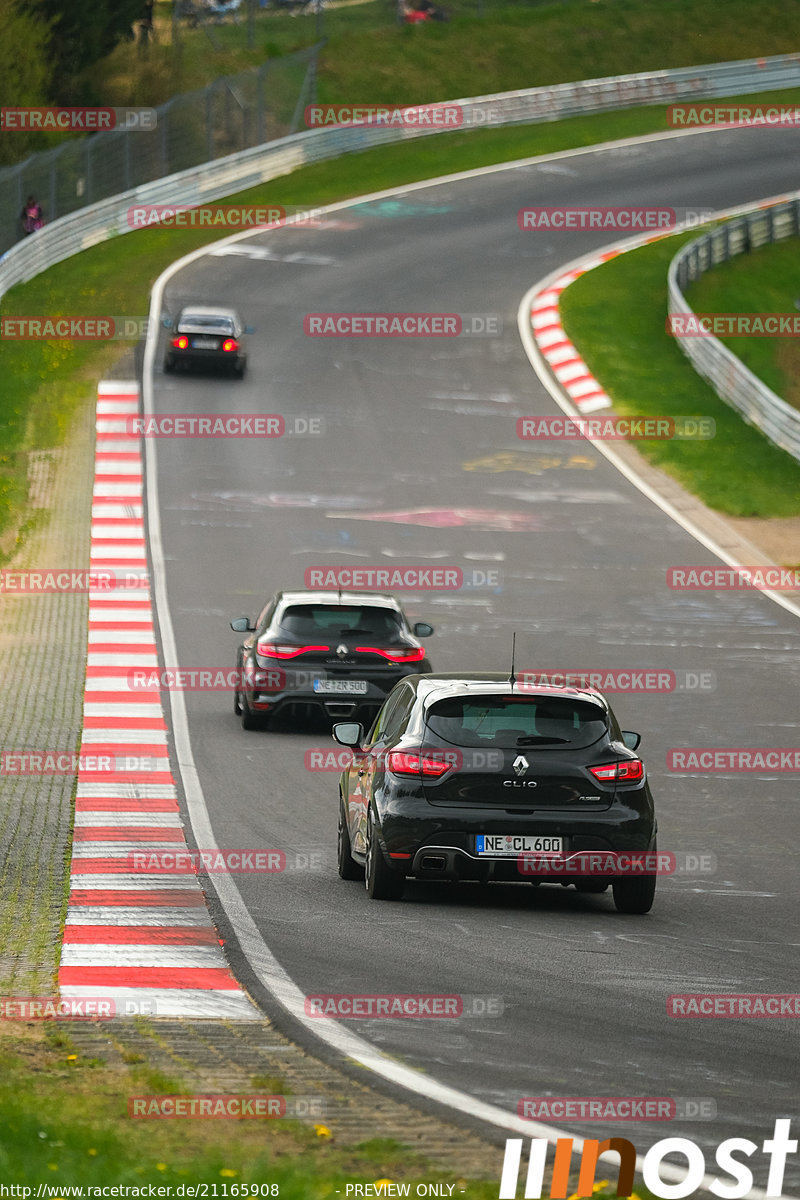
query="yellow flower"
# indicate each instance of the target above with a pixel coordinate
(52, 1166)
(382, 1182)
(322, 1131)
(72, 1058)
(161, 1166)
(228, 1172)
(93, 1152)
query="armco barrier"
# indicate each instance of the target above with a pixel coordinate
(245, 169)
(729, 377)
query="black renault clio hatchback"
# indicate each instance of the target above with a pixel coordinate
(480, 778)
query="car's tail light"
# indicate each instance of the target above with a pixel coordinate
(628, 771)
(414, 762)
(277, 650)
(230, 344)
(411, 654)
(180, 343)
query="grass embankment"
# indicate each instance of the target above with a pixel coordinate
(370, 58)
(616, 314)
(64, 1123)
(766, 281)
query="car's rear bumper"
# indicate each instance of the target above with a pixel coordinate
(444, 846)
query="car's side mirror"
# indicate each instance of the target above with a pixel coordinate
(249, 329)
(631, 739)
(242, 625)
(166, 322)
(348, 733)
(423, 629)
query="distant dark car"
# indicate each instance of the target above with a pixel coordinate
(207, 337)
(471, 777)
(331, 654)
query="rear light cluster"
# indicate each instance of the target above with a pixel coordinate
(276, 650)
(230, 344)
(180, 343)
(628, 771)
(415, 762)
(396, 655)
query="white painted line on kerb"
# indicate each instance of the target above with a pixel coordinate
(260, 958)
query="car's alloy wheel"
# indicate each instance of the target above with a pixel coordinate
(382, 882)
(634, 895)
(347, 865)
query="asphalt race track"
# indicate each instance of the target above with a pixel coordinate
(420, 464)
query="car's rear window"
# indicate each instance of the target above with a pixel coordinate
(190, 321)
(316, 620)
(509, 721)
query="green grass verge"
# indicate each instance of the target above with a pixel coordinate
(765, 281)
(64, 1123)
(616, 316)
(370, 58)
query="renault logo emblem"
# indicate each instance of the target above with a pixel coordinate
(342, 651)
(520, 764)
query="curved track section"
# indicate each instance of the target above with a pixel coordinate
(420, 463)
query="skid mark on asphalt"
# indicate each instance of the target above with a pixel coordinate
(143, 941)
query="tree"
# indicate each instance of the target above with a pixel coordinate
(25, 70)
(82, 32)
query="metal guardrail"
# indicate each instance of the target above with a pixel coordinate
(247, 168)
(726, 373)
(231, 114)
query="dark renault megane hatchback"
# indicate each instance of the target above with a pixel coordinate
(330, 654)
(480, 778)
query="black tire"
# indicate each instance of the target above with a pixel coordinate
(239, 371)
(237, 695)
(347, 865)
(169, 366)
(381, 881)
(250, 721)
(634, 896)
